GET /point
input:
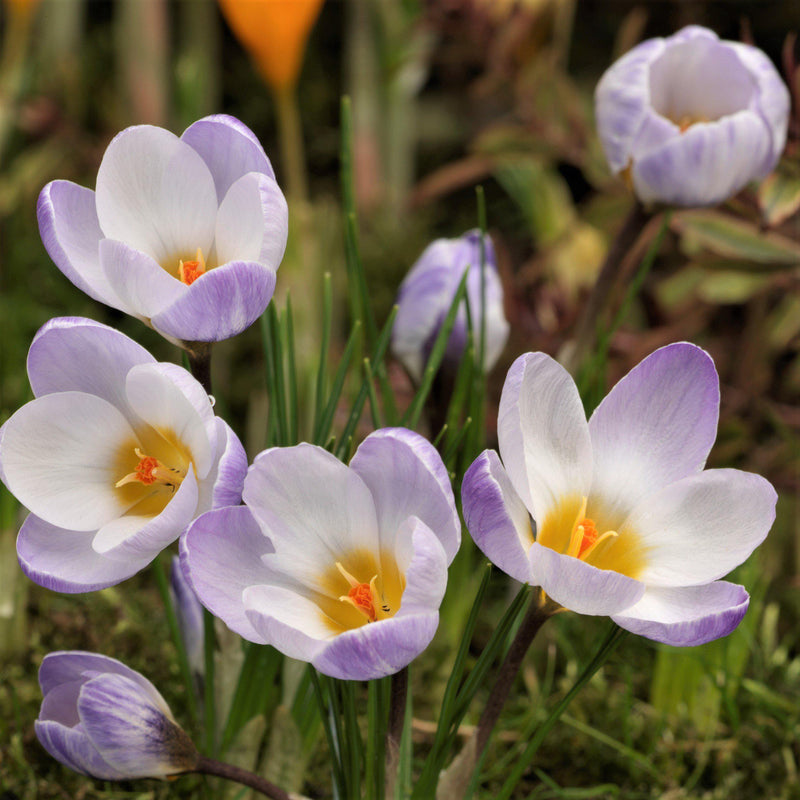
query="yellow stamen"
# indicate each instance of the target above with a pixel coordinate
(150, 470)
(364, 597)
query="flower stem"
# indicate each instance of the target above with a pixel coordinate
(209, 766)
(394, 731)
(200, 363)
(626, 238)
(291, 141)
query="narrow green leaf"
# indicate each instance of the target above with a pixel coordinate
(322, 368)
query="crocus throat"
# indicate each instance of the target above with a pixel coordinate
(151, 471)
(365, 597)
(190, 271)
(584, 539)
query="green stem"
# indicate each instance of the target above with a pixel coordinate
(394, 731)
(199, 355)
(292, 149)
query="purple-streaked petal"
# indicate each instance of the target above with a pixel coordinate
(223, 484)
(134, 537)
(698, 529)
(64, 561)
(229, 148)
(496, 517)
(68, 666)
(579, 586)
(72, 748)
(656, 426)
(423, 561)
(378, 649)
(134, 734)
(77, 354)
(189, 612)
(221, 555)
(59, 454)
(406, 477)
(219, 304)
(314, 508)
(168, 399)
(252, 222)
(71, 235)
(686, 616)
(155, 193)
(622, 100)
(706, 164)
(144, 286)
(543, 434)
(288, 620)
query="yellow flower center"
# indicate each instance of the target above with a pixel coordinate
(150, 470)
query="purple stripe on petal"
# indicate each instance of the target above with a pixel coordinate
(67, 666)
(221, 303)
(72, 747)
(496, 517)
(687, 616)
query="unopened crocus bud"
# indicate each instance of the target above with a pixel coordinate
(427, 293)
(103, 719)
(190, 617)
(690, 119)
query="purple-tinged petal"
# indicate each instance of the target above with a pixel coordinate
(423, 561)
(315, 509)
(288, 620)
(68, 666)
(72, 748)
(698, 529)
(134, 537)
(221, 555)
(229, 148)
(189, 613)
(223, 484)
(496, 517)
(71, 235)
(622, 101)
(219, 304)
(144, 286)
(77, 354)
(378, 649)
(579, 586)
(59, 454)
(686, 616)
(656, 426)
(406, 477)
(155, 193)
(543, 434)
(136, 735)
(252, 222)
(706, 164)
(64, 561)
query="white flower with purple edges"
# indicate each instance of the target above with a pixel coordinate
(617, 516)
(184, 233)
(114, 458)
(103, 719)
(427, 293)
(341, 566)
(691, 119)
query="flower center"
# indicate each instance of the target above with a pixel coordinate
(584, 539)
(365, 597)
(151, 471)
(190, 271)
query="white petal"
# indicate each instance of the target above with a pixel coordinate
(59, 453)
(155, 193)
(423, 561)
(543, 434)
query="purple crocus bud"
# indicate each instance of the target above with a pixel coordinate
(102, 719)
(616, 516)
(341, 566)
(183, 233)
(427, 293)
(189, 612)
(690, 119)
(114, 458)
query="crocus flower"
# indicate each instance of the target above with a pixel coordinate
(427, 293)
(114, 458)
(341, 566)
(103, 719)
(189, 614)
(691, 119)
(183, 233)
(617, 516)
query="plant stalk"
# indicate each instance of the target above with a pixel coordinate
(209, 766)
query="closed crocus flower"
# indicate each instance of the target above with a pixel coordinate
(105, 720)
(183, 233)
(189, 614)
(114, 458)
(692, 119)
(617, 516)
(427, 293)
(341, 566)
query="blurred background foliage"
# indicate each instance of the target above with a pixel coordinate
(446, 95)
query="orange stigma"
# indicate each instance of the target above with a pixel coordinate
(585, 538)
(589, 535)
(190, 271)
(364, 596)
(150, 470)
(361, 598)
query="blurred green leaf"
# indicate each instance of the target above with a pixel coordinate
(779, 197)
